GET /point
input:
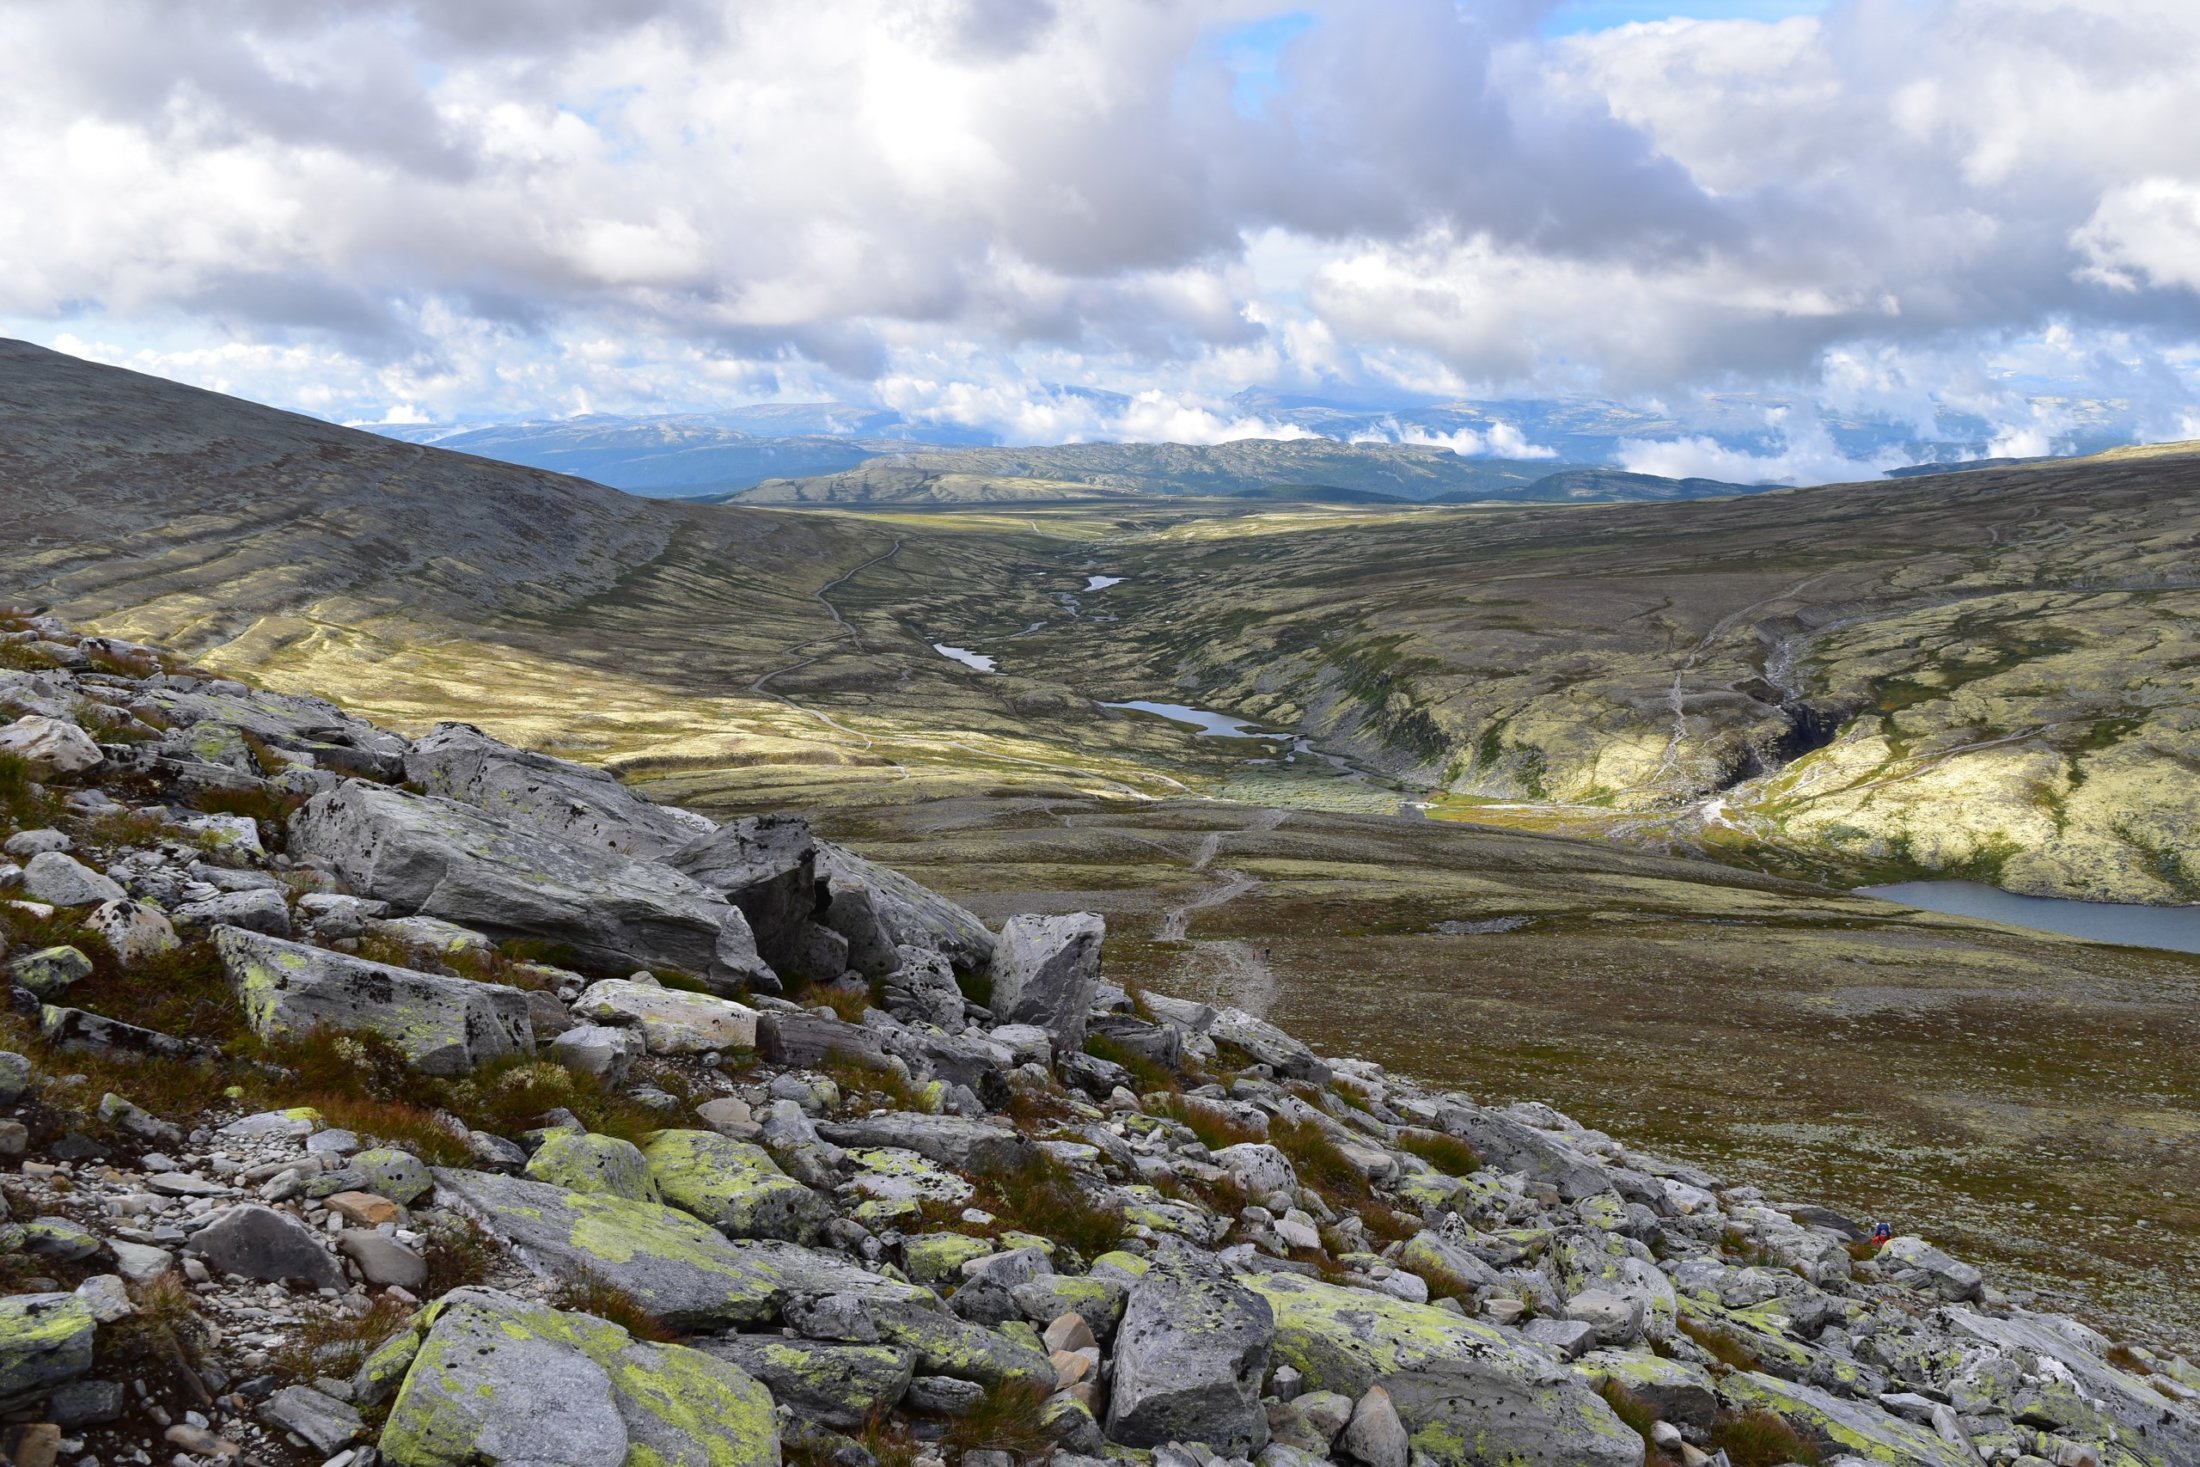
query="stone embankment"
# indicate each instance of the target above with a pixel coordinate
(440, 1103)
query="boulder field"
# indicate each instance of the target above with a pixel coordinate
(439, 1103)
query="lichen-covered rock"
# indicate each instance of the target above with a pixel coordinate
(734, 1186)
(672, 1264)
(932, 1258)
(45, 1340)
(584, 1162)
(1682, 1393)
(1045, 972)
(1514, 1146)
(1097, 1300)
(462, 864)
(567, 801)
(838, 1385)
(962, 1142)
(498, 1379)
(76, 1031)
(670, 1021)
(947, 1345)
(397, 1175)
(1466, 1393)
(1190, 1356)
(444, 1026)
(1843, 1426)
(598, 1050)
(49, 971)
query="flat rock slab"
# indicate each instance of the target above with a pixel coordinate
(1466, 1392)
(962, 1142)
(568, 801)
(670, 1021)
(499, 1379)
(461, 863)
(444, 1026)
(675, 1266)
(838, 1385)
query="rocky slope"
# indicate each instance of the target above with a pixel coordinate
(432, 1101)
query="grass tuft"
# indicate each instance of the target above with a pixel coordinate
(1045, 1197)
(336, 1345)
(1761, 1439)
(1448, 1154)
(1721, 1346)
(1011, 1419)
(584, 1293)
(1320, 1164)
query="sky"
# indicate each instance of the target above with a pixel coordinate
(972, 212)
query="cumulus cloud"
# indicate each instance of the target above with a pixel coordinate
(528, 206)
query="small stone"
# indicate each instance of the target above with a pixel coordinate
(384, 1262)
(15, 1077)
(87, 1403)
(366, 1209)
(50, 746)
(260, 1243)
(324, 1422)
(37, 1445)
(133, 930)
(184, 1184)
(1069, 1332)
(1375, 1435)
(1569, 1339)
(140, 1263)
(107, 1297)
(27, 843)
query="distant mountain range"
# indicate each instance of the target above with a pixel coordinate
(1508, 445)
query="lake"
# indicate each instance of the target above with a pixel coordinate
(1101, 583)
(967, 657)
(1209, 724)
(2174, 928)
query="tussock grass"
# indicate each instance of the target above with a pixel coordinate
(1448, 1154)
(1320, 1165)
(1148, 1076)
(1044, 1196)
(1214, 1127)
(1761, 1439)
(1638, 1416)
(1011, 1419)
(336, 1345)
(1721, 1346)
(458, 1254)
(584, 1293)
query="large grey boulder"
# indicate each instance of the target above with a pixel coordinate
(734, 1186)
(675, 1266)
(1917, 1262)
(568, 801)
(502, 1379)
(1466, 1391)
(1190, 1356)
(45, 1340)
(256, 1242)
(460, 863)
(964, 1143)
(50, 746)
(445, 1026)
(1514, 1146)
(1046, 971)
(893, 912)
(1268, 1045)
(767, 866)
(62, 881)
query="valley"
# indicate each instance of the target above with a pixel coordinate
(1957, 650)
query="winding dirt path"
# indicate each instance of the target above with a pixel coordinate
(842, 628)
(1234, 972)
